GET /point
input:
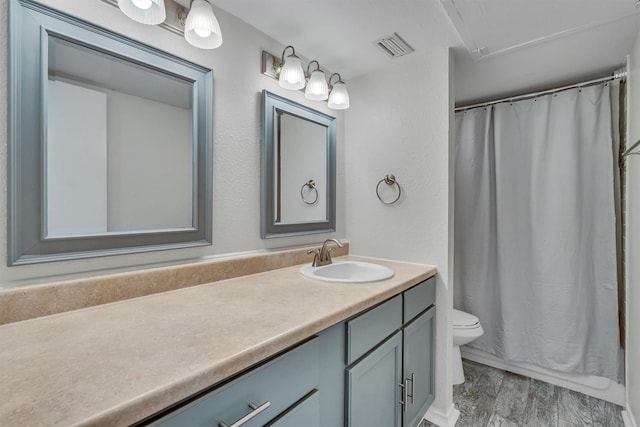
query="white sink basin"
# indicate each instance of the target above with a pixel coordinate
(348, 272)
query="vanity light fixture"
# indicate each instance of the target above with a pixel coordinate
(317, 88)
(339, 97)
(150, 12)
(198, 24)
(290, 75)
(291, 72)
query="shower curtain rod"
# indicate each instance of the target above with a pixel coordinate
(618, 74)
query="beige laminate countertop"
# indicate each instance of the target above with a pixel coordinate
(117, 363)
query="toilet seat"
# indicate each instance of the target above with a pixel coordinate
(463, 320)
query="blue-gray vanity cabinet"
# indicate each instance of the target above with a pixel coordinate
(373, 390)
(304, 413)
(416, 299)
(280, 391)
(419, 366)
(393, 383)
(332, 372)
(367, 330)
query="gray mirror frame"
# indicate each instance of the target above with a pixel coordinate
(29, 26)
(269, 227)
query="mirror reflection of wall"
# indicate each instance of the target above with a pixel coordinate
(301, 156)
(119, 151)
(298, 169)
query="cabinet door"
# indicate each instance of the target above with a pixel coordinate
(373, 390)
(419, 366)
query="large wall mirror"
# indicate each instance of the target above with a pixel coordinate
(298, 169)
(110, 142)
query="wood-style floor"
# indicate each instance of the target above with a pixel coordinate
(492, 397)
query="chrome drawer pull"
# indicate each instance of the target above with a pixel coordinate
(403, 402)
(255, 410)
(413, 386)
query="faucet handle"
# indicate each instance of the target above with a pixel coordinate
(316, 256)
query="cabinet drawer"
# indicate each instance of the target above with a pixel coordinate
(370, 328)
(305, 413)
(281, 382)
(418, 298)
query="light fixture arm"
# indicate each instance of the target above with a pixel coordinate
(183, 12)
(181, 17)
(316, 69)
(293, 53)
(339, 79)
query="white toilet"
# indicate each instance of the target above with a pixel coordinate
(466, 328)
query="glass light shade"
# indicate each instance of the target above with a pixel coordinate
(291, 74)
(142, 4)
(201, 28)
(317, 89)
(339, 97)
(150, 12)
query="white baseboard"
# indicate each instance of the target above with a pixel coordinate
(598, 387)
(442, 419)
(628, 419)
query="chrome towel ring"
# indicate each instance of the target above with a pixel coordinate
(311, 185)
(389, 179)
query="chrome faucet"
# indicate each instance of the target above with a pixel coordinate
(322, 256)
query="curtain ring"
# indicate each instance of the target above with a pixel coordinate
(389, 179)
(312, 186)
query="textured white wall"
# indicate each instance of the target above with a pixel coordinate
(399, 123)
(632, 238)
(237, 138)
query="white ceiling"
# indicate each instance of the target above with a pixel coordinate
(529, 44)
(340, 33)
(537, 44)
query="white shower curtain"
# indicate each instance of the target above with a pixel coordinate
(535, 228)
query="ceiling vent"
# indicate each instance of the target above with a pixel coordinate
(394, 46)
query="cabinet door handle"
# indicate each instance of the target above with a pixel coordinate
(403, 402)
(255, 410)
(413, 386)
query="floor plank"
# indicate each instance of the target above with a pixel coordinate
(542, 404)
(606, 414)
(574, 407)
(475, 398)
(511, 401)
(498, 421)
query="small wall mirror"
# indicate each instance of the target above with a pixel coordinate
(110, 142)
(298, 169)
